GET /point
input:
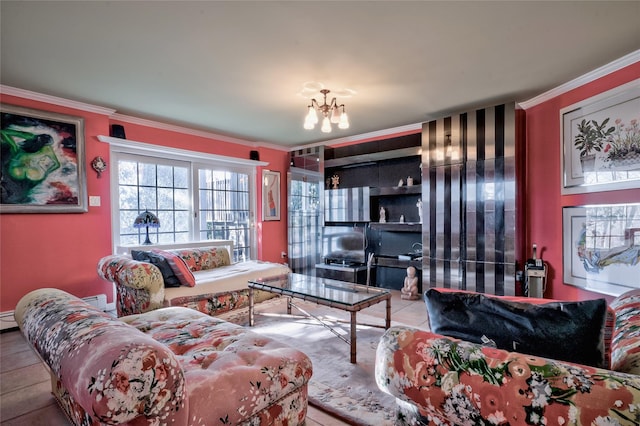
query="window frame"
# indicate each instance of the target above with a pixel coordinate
(122, 148)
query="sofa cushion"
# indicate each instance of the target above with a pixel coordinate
(179, 267)
(568, 331)
(169, 277)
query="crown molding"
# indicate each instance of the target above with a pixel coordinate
(616, 65)
(40, 97)
(136, 147)
(371, 135)
(180, 129)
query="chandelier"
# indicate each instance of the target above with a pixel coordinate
(331, 113)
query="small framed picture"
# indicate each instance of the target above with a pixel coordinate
(43, 168)
(270, 195)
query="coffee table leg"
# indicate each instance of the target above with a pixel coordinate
(353, 337)
(387, 322)
(250, 307)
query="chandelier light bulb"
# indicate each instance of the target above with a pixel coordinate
(326, 125)
(335, 114)
(308, 125)
(312, 116)
(344, 121)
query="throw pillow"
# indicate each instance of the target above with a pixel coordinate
(170, 279)
(568, 331)
(179, 267)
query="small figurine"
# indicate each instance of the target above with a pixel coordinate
(409, 181)
(419, 206)
(410, 289)
(335, 181)
(401, 218)
(401, 182)
(383, 215)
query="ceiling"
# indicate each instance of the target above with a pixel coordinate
(237, 68)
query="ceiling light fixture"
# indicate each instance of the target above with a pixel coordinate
(331, 113)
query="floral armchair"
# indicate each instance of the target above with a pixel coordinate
(445, 381)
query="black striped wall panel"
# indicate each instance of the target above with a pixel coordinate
(469, 193)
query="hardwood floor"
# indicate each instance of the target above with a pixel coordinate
(26, 400)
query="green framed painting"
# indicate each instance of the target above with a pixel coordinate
(43, 167)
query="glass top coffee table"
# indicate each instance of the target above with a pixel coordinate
(323, 291)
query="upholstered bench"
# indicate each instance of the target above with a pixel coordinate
(171, 366)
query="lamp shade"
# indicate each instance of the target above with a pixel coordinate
(146, 219)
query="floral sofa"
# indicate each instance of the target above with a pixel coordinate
(171, 366)
(216, 286)
(440, 380)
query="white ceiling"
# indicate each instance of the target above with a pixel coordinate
(236, 68)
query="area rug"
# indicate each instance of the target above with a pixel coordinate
(347, 391)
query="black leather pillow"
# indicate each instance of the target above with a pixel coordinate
(568, 331)
(170, 279)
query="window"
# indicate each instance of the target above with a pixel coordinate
(193, 199)
(159, 186)
(224, 211)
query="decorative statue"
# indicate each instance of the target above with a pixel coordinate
(409, 181)
(383, 215)
(401, 182)
(335, 181)
(419, 206)
(410, 289)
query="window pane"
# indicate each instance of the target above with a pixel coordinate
(128, 173)
(181, 178)
(147, 198)
(128, 197)
(165, 176)
(181, 199)
(165, 198)
(147, 174)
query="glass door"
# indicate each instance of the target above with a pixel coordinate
(304, 220)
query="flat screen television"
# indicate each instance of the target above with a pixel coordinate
(344, 244)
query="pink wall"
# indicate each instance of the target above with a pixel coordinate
(544, 201)
(58, 250)
(62, 250)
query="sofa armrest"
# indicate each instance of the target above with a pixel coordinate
(456, 382)
(625, 344)
(139, 285)
(113, 371)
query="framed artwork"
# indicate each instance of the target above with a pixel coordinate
(601, 141)
(270, 195)
(601, 247)
(43, 167)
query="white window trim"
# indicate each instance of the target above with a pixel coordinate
(126, 146)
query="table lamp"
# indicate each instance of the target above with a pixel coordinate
(146, 220)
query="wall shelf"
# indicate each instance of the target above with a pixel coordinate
(397, 226)
(396, 190)
(394, 262)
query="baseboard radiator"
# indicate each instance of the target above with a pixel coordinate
(7, 321)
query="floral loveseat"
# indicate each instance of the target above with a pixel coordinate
(214, 286)
(171, 366)
(439, 380)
